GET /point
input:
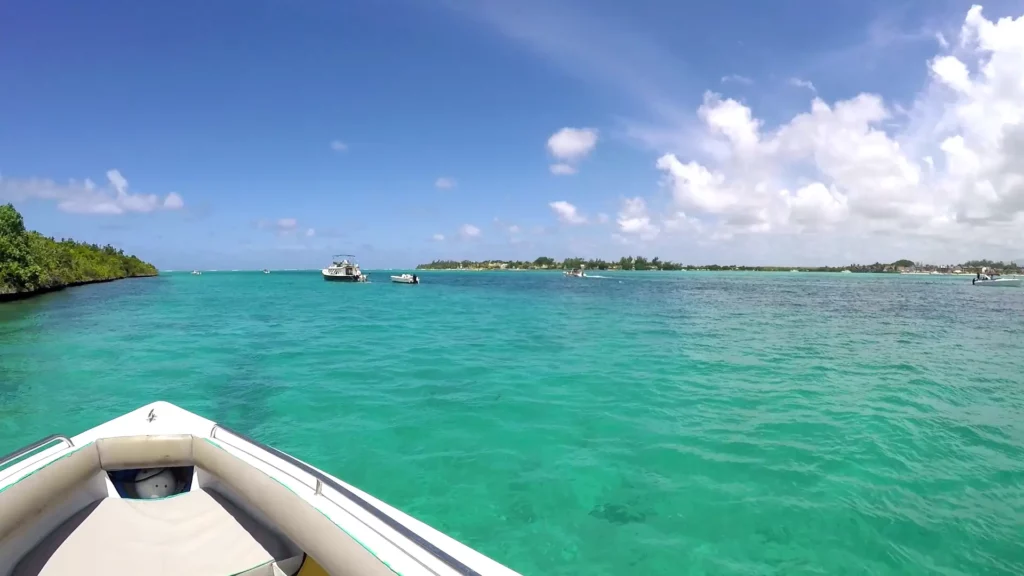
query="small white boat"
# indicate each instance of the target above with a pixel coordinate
(197, 273)
(406, 279)
(344, 270)
(576, 273)
(163, 491)
(265, 271)
(985, 280)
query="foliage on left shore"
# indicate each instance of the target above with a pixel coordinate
(31, 262)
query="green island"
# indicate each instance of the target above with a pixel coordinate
(642, 263)
(31, 263)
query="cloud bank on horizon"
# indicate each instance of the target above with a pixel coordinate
(952, 170)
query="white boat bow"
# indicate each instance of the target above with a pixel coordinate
(218, 503)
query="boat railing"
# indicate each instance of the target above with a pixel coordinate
(322, 480)
(22, 452)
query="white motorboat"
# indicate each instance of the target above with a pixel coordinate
(265, 271)
(994, 282)
(197, 273)
(163, 491)
(406, 279)
(576, 273)
(344, 270)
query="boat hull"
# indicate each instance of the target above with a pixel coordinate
(403, 280)
(1000, 283)
(343, 278)
(236, 504)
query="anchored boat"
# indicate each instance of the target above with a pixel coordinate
(163, 491)
(406, 279)
(994, 281)
(344, 270)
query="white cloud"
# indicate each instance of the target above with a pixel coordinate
(737, 79)
(117, 180)
(85, 197)
(438, 237)
(173, 201)
(469, 231)
(572, 144)
(285, 227)
(567, 212)
(800, 83)
(445, 183)
(952, 72)
(633, 219)
(947, 176)
(339, 146)
(508, 228)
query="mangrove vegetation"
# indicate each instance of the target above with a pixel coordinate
(32, 263)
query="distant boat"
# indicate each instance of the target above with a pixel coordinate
(197, 273)
(994, 282)
(794, 270)
(265, 271)
(847, 272)
(406, 279)
(576, 273)
(344, 270)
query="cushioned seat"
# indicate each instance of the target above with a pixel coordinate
(199, 533)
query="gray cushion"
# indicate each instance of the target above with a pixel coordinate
(198, 533)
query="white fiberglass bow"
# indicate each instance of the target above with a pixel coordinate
(163, 491)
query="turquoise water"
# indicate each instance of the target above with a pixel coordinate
(643, 423)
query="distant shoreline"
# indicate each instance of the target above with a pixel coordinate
(774, 271)
(26, 294)
(656, 264)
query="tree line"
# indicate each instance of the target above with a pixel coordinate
(31, 262)
(547, 263)
(643, 263)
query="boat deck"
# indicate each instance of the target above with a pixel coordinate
(199, 533)
(161, 491)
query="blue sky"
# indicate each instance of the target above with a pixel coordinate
(288, 131)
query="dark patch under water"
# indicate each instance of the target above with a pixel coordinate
(618, 514)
